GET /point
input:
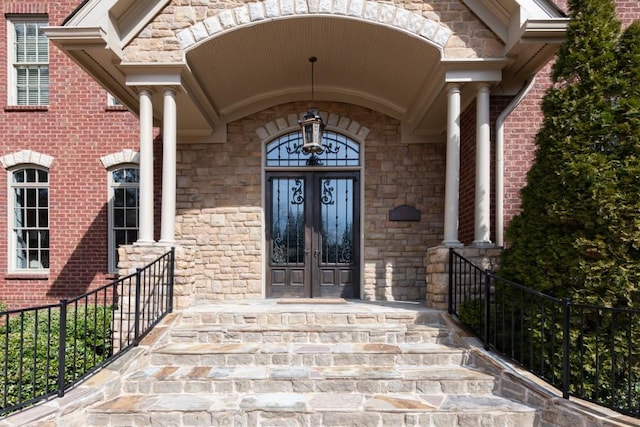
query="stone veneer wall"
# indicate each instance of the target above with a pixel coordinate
(437, 261)
(220, 207)
(132, 257)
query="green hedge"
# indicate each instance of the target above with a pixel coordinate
(29, 350)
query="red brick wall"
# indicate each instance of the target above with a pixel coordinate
(522, 124)
(468, 167)
(520, 129)
(467, 174)
(76, 129)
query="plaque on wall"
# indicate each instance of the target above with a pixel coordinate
(404, 213)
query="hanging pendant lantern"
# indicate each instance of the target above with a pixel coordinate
(312, 125)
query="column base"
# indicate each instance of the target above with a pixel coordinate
(483, 244)
(166, 242)
(452, 243)
(144, 243)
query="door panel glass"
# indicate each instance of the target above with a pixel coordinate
(337, 216)
(287, 225)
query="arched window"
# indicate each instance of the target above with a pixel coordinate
(339, 151)
(29, 219)
(124, 185)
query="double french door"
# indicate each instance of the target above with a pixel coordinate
(313, 234)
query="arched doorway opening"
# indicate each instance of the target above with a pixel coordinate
(313, 218)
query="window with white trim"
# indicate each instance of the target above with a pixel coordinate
(28, 59)
(124, 186)
(29, 217)
(112, 101)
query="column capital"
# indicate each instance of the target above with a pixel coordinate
(168, 90)
(453, 87)
(145, 90)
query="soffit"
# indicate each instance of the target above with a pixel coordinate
(371, 65)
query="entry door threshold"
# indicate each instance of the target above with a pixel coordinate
(312, 301)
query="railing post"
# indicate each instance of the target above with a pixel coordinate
(136, 319)
(172, 260)
(62, 349)
(451, 280)
(487, 307)
(566, 347)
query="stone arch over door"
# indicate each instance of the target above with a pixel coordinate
(340, 123)
(432, 31)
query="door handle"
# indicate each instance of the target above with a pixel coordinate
(316, 253)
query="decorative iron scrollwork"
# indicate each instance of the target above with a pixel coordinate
(327, 193)
(345, 254)
(296, 149)
(297, 193)
(330, 147)
(314, 161)
(279, 251)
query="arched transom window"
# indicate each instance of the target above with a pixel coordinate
(339, 151)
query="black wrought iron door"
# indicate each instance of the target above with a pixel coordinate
(312, 234)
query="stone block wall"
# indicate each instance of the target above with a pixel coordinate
(138, 256)
(133, 257)
(437, 262)
(220, 202)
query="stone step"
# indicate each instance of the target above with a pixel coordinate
(311, 409)
(302, 354)
(316, 333)
(441, 379)
(355, 313)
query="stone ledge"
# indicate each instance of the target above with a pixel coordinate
(518, 384)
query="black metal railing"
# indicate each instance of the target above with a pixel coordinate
(586, 351)
(46, 350)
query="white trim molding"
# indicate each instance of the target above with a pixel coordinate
(124, 156)
(26, 157)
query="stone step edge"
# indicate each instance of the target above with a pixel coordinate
(295, 327)
(310, 319)
(308, 403)
(313, 373)
(307, 348)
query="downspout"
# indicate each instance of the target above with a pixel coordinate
(500, 159)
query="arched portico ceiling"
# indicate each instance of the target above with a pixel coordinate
(246, 70)
(253, 56)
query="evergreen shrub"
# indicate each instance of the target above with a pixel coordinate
(29, 350)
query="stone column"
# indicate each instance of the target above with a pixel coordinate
(145, 235)
(483, 169)
(168, 218)
(452, 186)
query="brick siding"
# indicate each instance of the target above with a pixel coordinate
(76, 130)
